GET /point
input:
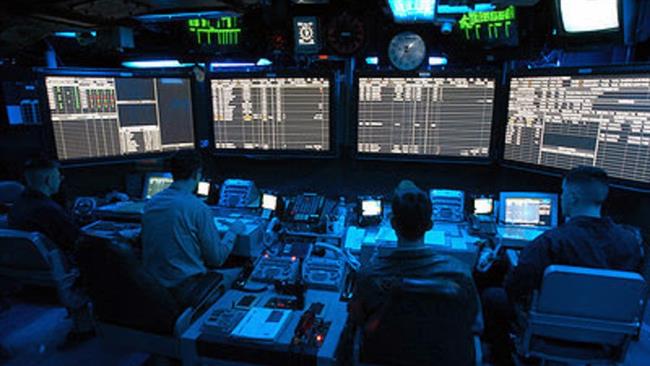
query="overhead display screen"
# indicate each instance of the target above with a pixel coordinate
(94, 117)
(594, 120)
(281, 114)
(440, 116)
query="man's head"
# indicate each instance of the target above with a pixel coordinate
(411, 212)
(43, 175)
(584, 190)
(186, 166)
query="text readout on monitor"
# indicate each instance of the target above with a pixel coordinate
(96, 117)
(425, 116)
(528, 211)
(272, 113)
(566, 121)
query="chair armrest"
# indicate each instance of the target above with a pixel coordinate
(183, 322)
(582, 323)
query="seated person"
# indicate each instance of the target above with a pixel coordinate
(36, 211)
(450, 341)
(179, 237)
(586, 239)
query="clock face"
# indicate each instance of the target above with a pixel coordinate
(406, 51)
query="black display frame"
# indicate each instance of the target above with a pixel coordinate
(48, 129)
(617, 70)
(493, 152)
(270, 154)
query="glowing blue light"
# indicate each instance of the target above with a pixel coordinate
(410, 11)
(373, 60)
(184, 16)
(462, 9)
(264, 62)
(72, 34)
(216, 65)
(437, 60)
(154, 64)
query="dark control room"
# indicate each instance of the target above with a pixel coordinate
(324, 182)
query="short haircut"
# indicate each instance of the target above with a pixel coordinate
(185, 164)
(590, 182)
(411, 211)
(37, 171)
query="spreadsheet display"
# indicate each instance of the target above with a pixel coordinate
(96, 117)
(566, 121)
(449, 116)
(272, 113)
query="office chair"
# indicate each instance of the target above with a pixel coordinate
(130, 307)
(9, 193)
(583, 315)
(422, 322)
(29, 258)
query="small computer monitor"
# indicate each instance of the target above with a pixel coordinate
(371, 207)
(156, 182)
(528, 209)
(203, 189)
(483, 206)
(589, 16)
(269, 202)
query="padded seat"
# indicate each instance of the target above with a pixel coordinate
(583, 315)
(29, 258)
(131, 308)
(422, 322)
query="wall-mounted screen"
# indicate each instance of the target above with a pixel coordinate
(595, 120)
(272, 114)
(426, 116)
(95, 117)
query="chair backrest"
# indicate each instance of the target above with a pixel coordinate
(24, 250)
(10, 191)
(422, 322)
(592, 293)
(589, 305)
(123, 293)
(30, 258)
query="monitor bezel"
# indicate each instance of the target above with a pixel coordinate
(48, 129)
(555, 214)
(333, 151)
(491, 158)
(621, 183)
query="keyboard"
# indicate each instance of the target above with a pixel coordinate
(518, 237)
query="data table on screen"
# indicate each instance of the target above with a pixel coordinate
(283, 113)
(566, 121)
(94, 117)
(449, 116)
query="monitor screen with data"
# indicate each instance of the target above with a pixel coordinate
(272, 114)
(594, 120)
(95, 117)
(433, 116)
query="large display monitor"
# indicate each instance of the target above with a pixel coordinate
(111, 116)
(425, 117)
(272, 114)
(564, 119)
